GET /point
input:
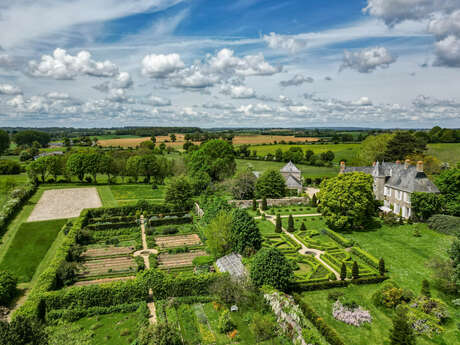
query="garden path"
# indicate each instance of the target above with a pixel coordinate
(294, 215)
(304, 249)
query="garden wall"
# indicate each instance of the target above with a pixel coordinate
(272, 202)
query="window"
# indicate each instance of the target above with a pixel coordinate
(385, 190)
(407, 197)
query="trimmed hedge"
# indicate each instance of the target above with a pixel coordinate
(129, 210)
(7, 287)
(16, 199)
(338, 238)
(327, 331)
(170, 220)
(444, 224)
(366, 257)
(300, 286)
(112, 226)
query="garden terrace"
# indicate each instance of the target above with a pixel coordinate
(170, 261)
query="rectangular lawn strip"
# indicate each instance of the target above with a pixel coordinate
(188, 324)
(137, 192)
(113, 329)
(265, 226)
(29, 247)
(292, 209)
(106, 195)
(311, 223)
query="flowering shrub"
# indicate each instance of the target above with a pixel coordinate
(426, 315)
(351, 316)
(289, 315)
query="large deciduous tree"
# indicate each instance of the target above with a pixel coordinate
(424, 205)
(76, 165)
(179, 193)
(372, 148)
(347, 201)
(244, 185)
(271, 185)
(245, 238)
(215, 157)
(403, 144)
(270, 267)
(218, 234)
(448, 183)
(27, 138)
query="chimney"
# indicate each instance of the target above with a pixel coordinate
(406, 163)
(342, 167)
(398, 162)
(420, 166)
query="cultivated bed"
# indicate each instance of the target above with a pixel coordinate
(64, 203)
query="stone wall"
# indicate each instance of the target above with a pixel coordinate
(271, 202)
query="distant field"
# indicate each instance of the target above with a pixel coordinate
(307, 170)
(29, 246)
(268, 139)
(342, 151)
(445, 152)
(133, 141)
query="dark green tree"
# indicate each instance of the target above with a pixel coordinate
(172, 137)
(271, 185)
(308, 155)
(264, 204)
(424, 205)
(4, 141)
(327, 156)
(244, 185)
(278, 226)
(426, 288)
(403, 144)
(382, 267)
(7, 287)
(314, 200)
(254, 204)
(343, 271)
(76, 165)
(355, 270)
(291, 227)
(179, 193)
(215, 157)
(303, 227)
(27, 138)
(270, 267)
(245, 235)
(402, 332)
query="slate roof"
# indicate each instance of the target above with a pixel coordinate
(290, 168)
(232, 264)
(293, 182)
(399, 177)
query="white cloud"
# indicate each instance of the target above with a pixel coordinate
(363, 101)
(8, 89)
(159, 101)
(160, 66)
(240, 91)
(58, 95)
(448, 52)
(123, 81)
(367, 60)
(397, 11)
(61, 65)
(296, 80)
(290, 43)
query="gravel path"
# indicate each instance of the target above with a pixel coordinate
(64, 203)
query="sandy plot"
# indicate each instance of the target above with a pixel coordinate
(65, 203)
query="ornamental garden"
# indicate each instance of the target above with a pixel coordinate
(175, 262)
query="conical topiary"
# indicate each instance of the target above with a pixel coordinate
(355, 270)
(402, 332)
(278, 224)
(291, 224)
(343, 271)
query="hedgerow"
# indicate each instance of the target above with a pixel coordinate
(444, 224)
(366, 257)
(338, 238)
(311, 285)
(16, 199)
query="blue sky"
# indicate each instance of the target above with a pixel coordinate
(370, 63)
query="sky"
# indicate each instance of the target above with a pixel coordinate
(230, 63)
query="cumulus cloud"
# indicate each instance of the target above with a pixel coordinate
(291, 44)
(443, 17)
(367, 60)
(363, 101)
(296, 80)
(448, 52)
(159, 101)
(238, 91)
(61, 65)
(7, 89)
(160, 66)
(58, 95)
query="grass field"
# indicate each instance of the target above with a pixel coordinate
(137, 192)
(29, 246)
(342, 151)
(114, 329)
(307, 170)
(406, 258)
(292, 209)
(445, 152)
(256, 139)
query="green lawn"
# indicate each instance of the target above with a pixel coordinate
(342, 151)
(445, 152)
(311, 223)
(113, 329)
(29, 246)
(266, 227)
(406, 257)
(137, 192)
(307, 170)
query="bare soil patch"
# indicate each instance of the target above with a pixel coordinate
(108, 266)
(133, 142)
(178, 260)
(109, 251)
(64, 203)
(177, 241)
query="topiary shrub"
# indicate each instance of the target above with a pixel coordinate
(278, 227)
(303, 227)
(355, 270)
(291, 227)
(270, 267)
(7, 287)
